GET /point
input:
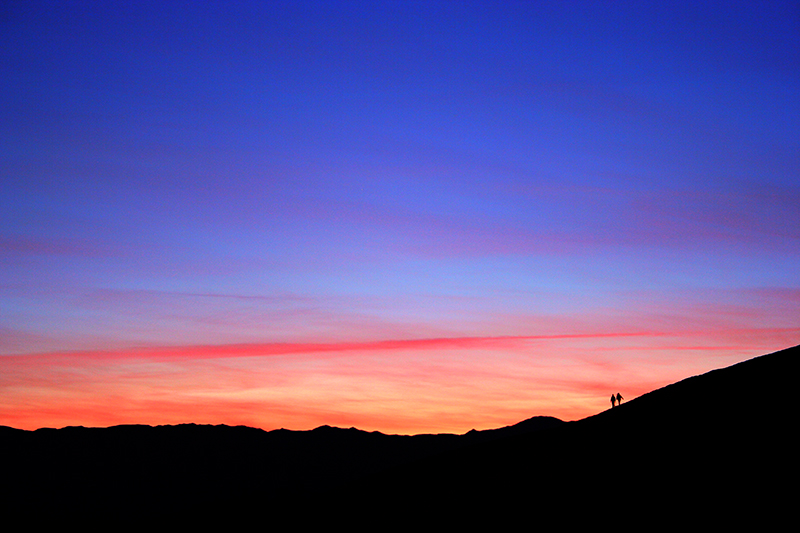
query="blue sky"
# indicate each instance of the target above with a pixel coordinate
(180, 174)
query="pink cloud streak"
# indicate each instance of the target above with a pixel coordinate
(270, 349)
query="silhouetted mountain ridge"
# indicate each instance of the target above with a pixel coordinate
(721, 433)
(184, 457)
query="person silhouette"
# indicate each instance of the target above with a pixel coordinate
(619, 398)
(613, 399)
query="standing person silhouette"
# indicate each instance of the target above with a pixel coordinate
(619, 398)
(613, 399)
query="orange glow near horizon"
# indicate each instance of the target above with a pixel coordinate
(394, 386)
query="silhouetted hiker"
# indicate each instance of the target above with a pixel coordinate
(619, 398)
(613, 399)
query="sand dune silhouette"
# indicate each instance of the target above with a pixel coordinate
(723, 441)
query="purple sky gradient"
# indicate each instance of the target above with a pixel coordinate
(196, 174)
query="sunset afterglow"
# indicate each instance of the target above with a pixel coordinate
(411, 217)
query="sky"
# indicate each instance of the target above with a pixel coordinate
(410, 217)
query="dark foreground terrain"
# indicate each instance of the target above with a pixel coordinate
(711, 449)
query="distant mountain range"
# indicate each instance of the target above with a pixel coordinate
(714, 447)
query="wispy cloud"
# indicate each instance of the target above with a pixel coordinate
(168, 353)
(46, 246)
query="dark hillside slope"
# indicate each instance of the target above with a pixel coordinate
(723, 442)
